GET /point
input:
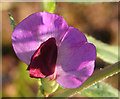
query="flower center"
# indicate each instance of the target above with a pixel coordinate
(44, 60)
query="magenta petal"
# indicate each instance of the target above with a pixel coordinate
(69, 81)
(34, 30)
(74, 79)
(75, 59)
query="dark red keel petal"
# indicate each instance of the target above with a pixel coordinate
(44, 60)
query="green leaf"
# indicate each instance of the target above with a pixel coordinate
(107, 53)
(49, 5)
(12, 21)
(100, 89)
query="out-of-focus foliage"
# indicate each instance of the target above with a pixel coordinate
(26, 81)
(81, 1)
(12, 21)
(49, 5)
(6, 5)
(100, 89)
(23, 84)
(106, 52)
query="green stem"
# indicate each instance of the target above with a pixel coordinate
(40, 91)
(109, 71)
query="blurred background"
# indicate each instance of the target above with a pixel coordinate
(99, 20)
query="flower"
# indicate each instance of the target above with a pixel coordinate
(54, 50)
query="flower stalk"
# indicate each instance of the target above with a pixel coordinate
(96, 77)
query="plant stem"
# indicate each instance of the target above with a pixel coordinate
(105, 73)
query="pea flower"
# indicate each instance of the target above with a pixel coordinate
(54, 50)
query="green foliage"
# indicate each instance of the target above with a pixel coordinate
(12, 21)
(49, 5)
(107, 53)
(100, 89)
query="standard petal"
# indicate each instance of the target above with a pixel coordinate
(34, 30)
(75, 59)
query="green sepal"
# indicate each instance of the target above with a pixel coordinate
(49, 5)
(48, 85)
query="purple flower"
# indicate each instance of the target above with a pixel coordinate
(54, 50)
